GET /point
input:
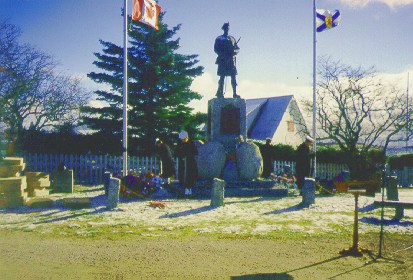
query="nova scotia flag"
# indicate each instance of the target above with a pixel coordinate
(327, 19)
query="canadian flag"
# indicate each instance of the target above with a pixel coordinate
(146, 11)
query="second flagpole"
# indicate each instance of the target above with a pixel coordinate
(125, 89)
(314, 90)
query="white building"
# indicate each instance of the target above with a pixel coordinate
(278, 118)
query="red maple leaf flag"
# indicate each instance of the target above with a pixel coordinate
(146, 11)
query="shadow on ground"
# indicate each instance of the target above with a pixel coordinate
(263, 276)
(392, 222)
(297, 207)
(189, 212)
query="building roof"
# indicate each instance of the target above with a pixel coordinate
(264, 115)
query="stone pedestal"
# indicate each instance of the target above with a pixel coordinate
(308, 192)
(62, 181)
(227, 119)
(113, 193)
(39, 202)
(12, 191)
(11, 167)
(38, 184)
(217, 193)
(12, 185)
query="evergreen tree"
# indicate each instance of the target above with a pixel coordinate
(158, 89)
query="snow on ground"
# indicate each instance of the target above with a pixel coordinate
(250, 215)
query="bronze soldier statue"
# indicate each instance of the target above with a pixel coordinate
(226, 48)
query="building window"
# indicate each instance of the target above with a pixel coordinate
(290, 125)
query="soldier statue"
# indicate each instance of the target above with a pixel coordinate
(226, 48)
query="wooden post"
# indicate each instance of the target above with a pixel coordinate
(356, 223)
(355, 250)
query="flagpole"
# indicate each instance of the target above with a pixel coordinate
(125, 88)
(407, 114)
(314, 88)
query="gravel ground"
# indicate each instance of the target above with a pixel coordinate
(255, 216)
(248, 238)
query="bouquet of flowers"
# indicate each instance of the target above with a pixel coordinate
(138, 184)
(285, 179)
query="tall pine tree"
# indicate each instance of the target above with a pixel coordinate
(158, 90)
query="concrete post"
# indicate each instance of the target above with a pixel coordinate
(113, 193)
(308, 192)
(106, 181)
(217, 192)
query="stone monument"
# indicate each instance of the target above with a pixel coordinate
(226, 160)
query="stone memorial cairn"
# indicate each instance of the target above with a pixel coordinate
(12, 185)
(224, 162)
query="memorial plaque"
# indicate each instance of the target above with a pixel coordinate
(230, 120)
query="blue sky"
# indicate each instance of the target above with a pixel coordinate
(276, 37)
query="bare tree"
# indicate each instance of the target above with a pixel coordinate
(32, 91)
(356, 111)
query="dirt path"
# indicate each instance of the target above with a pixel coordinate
(30, 256)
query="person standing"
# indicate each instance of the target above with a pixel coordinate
(187, 167)
(267, 152)
(226, 48)
(167, 166)
(303, 161)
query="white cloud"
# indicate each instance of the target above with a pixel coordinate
(391, 3)
(206, 86)
(397, 79)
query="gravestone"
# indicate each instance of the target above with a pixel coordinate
(62, 181)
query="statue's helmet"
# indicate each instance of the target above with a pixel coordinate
(225, 26)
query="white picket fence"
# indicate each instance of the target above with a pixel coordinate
(89, 169)
(324, 170)
(404, 176)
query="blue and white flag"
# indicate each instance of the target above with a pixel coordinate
(327, 19)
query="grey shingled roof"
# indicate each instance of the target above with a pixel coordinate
(264, 115)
